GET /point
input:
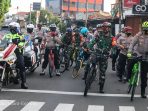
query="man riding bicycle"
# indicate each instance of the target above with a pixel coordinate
(51, 40)
(103, 46)
(141, 40)
(123, 43)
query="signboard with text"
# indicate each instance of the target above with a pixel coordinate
(140, 9)
(130, 3)
(36, 5)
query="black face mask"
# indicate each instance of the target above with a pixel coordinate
(13, 31)
(145, 32)
(129, 34)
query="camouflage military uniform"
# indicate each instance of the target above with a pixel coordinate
(103, 46)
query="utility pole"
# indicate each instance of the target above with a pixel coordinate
(86, 20)
(120, 14)
(30, 14)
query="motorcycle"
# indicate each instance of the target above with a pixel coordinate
(31, 55)
(8, 70)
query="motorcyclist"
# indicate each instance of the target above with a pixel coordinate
(51, 41)
(139, 45)
(19, 41)
(103, 46)
(123, 43)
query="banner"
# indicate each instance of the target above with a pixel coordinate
(130, 3)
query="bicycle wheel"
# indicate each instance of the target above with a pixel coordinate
(75, 72)
(129, 88)
(133, 92)
(89, 80)
(50, 70)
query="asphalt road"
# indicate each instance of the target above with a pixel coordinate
(66, 94)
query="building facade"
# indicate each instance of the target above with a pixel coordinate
(74, 8)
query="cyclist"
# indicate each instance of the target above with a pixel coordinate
(103, 46)
(51, 41)
(39, 33)
(123, 43)
(19, 41)
(98, 31)
(141, 40)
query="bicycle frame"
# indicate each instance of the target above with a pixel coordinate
(51, 60)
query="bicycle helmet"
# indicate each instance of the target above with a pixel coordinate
(30, 28)
(84, 31)
(99, 25)
(145, 25)
(14, 27)
(69, 30)
(53, 27)
(106, 26)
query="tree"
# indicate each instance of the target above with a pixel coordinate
(4, 6)
(45, 17)
(62, 27)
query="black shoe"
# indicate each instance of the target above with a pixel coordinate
(143, 96)
(83, 78)
(16, 81)
(120, 79)
(101, 91)
(113, 68)
(42, 73)
(23, 86)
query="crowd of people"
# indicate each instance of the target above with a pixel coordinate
(98, 39)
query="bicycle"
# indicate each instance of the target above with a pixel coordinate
(135, 77)
(92, 71)
(80, 63)
(65, 59)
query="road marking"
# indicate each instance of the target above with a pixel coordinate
(64, 107)
(5, 103)
(33, 106)
(126, 108)
(67, 93)
(95, 108)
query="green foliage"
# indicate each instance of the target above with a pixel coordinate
(33, 16)
(62, 27)
(4, 6)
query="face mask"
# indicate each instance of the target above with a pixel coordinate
(13, 31)
(128, 34)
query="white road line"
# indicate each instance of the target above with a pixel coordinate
(33, 106)
(64, 107)
(126, 108)
(5, 103)
(67, 93)
(95, 108)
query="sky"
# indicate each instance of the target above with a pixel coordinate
(24, 5)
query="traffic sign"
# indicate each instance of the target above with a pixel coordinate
(36, 5)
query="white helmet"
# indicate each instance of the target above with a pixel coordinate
(14, 24)
(53, 25)
(31, 26)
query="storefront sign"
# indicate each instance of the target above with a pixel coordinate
(130, 3)
(140, 9)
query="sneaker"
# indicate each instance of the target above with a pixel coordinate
(42, 73)
(58, 73)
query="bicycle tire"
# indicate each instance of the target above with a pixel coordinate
(86, 91)
(76, 70)
(89, 80)
(75, 73)
(133, 92)
(129, 89)
(50, 68)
